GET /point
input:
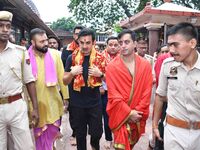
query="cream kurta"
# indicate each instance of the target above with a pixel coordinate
(49, 100)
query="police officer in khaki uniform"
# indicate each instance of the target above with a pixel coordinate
(180, 83)
(15, 70)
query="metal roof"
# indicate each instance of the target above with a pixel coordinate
(175, 7)
(25, 14)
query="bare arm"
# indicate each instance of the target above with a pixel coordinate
(158, 106)
(67, 79)
(33, 96)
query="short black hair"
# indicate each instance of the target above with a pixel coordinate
(111, 38)
(58, 40)
(80, 27)
(160, 47)
(127, 31)
(36, 31)
(141, 38)
(53, 37)
(184, 28)
(85, 32)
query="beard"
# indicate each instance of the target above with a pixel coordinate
(43, 49)
(86, 52)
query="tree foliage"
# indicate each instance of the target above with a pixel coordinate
(66, 24)
(103, 14)
(117, 28)
(141, 5)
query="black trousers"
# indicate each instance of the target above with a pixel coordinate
(159, 145)
(71, 120)
(91, 117)
(108, 133)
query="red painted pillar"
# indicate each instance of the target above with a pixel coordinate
(153, 40)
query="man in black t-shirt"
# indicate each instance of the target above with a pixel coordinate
(83, 72)
(68, 50)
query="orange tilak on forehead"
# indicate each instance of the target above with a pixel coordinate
(84, 39)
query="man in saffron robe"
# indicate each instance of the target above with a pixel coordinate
(84, 70)
(126, 73)
(48, 71)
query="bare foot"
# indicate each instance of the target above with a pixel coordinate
(73, 141)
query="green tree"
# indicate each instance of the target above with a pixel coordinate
(64, 24)
(141, 5)
(117, 28)
(103, 14)
(156, 3)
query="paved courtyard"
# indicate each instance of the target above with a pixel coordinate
(64, 143)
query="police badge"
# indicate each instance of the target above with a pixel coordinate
(28, 61)
(173, 70)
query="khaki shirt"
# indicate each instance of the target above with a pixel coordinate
(182, 88)
(11, 70)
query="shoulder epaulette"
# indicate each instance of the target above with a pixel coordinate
(167, 60)
(149, 56)
(20, 47)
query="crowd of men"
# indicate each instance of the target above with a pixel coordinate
(37, 82)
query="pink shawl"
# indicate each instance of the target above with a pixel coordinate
(50, 70)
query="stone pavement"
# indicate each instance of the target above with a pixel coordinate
(63, 143)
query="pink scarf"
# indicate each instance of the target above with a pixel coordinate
(50, 70)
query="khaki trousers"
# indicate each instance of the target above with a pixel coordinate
(176, 138)
(14, 116)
